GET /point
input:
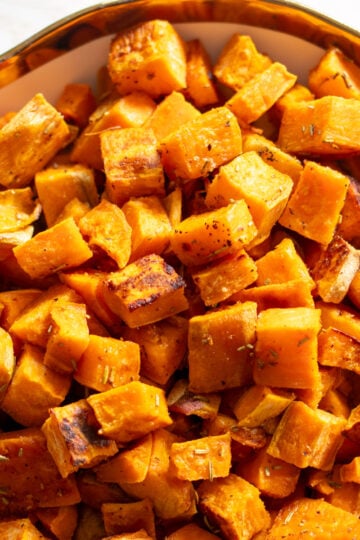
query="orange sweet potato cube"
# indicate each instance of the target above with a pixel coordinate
(179, 501)
(200, 86)
(45, 388)
(202, 459)
(26, 466)
(173, 111)
(338, 349)
(105, 227)
(30, 140)
(335, 270)
(21, 529)
(108, 362)
(130, 411)
(145, 291)
(201, 145)
(72, 438)
(58, 247)
(130, 465)
(239, 61)
(272, 476)
(265, 190)
(32, 324)
(286, 348)
(185, 402)
(18, 209)
(150, 57)
(162, 345)
(192, 531)
(219, 345)
(221, 279)
(129, 516)
(131, 163)
(314, 207)
(347, 228)
(61, 522)
(68, 336)
(335, 74)
(259, 403)
(202, 238)
(150, 226)
(72, 181)
(260, 93)
(341, 317)
(293, 293)
(76, 103)
(307, 437)
(234, 505)
(326, 126)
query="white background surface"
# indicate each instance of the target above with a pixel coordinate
(19, 19)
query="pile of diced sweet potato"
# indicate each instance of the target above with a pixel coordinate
(180, 295)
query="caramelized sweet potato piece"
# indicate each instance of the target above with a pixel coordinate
(18, 209)
(259, 403)
(76, 103)
(61, 522)
(72, 438)
(19, 529)
(30, 140)
(145, 291)
(200, 86)
(130, 516)
(149, 57)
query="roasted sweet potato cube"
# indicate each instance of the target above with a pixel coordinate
(108, 362)
(131, 163)
(130, 411)
(260, 93)
(293, 293)
(172, 111)
(61, 522)
(183, 401)
(352, 429)
(7, 360)
(150, 57)
(234, 505)
(130, 465)
(319, 518)
(219, 344)
(264, 189)
(180, 494)
(297, 93)
(273, 477)
(29, 476)
(273, 155)
(283, 264)
(58, 186)
(286, 349)
(72, 438)
(145, 291)
(201, 145)
(200, 86)
(34, 388)
(76, 103)
(259, 403)
(150, 226)
(202, 459)
(335, 75)
(327, 126)
(221, 279)
(68, 336)
(30, 140)
(129, 516)
(335, 270)
(314, 207)
(350, 472)
(20, 529)
(18, 209)
(239, 61)
(162, 347)
(341, 317)
(307, 437)
(32, 324)
(58, 247)
(105, 227)
(202, 238)
(347, 227)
